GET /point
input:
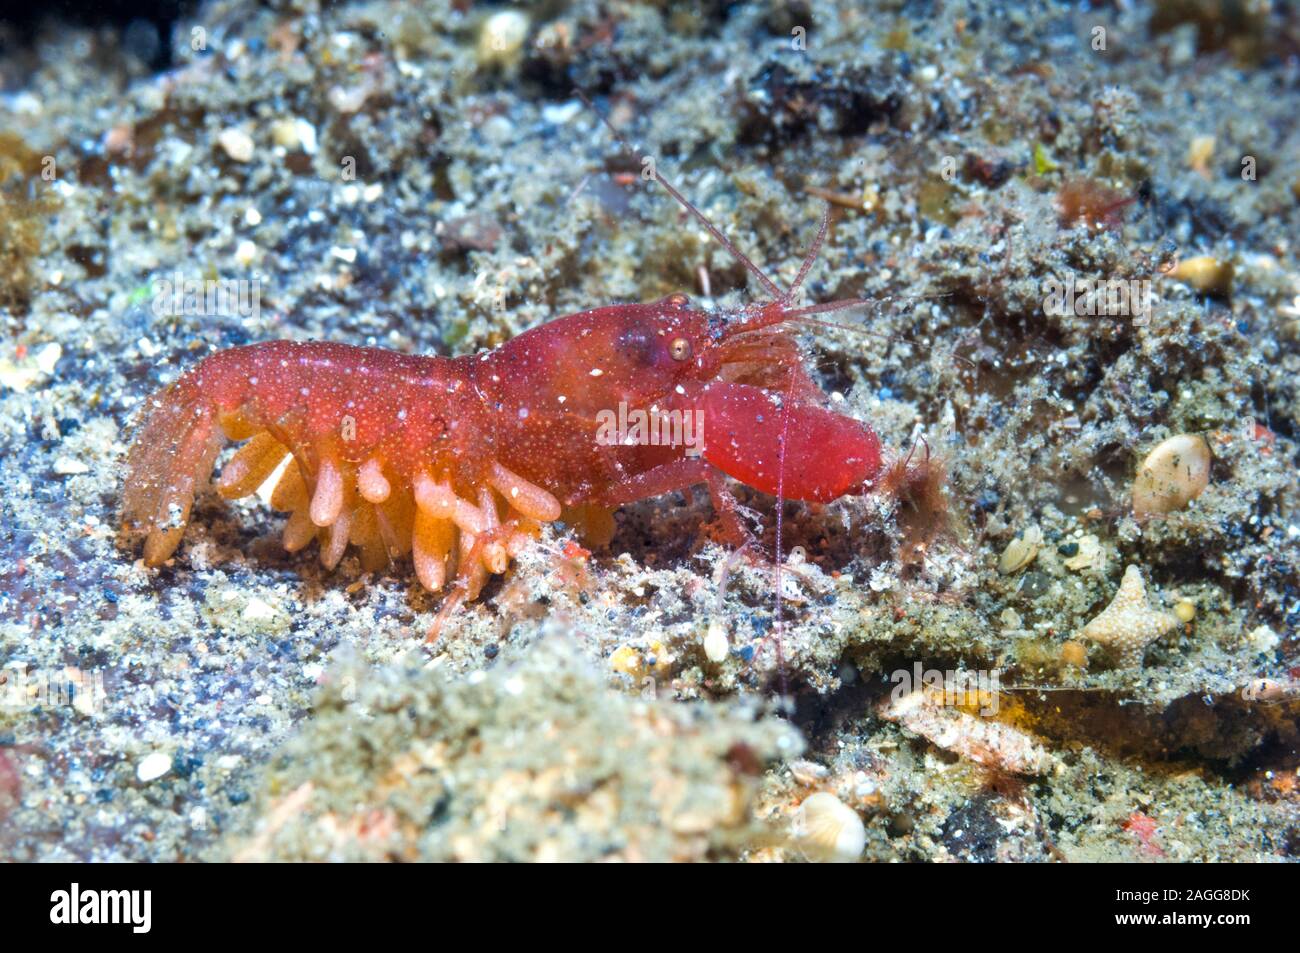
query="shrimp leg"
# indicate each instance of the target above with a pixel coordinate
(678, 475)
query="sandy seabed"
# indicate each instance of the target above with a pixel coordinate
(421, 177)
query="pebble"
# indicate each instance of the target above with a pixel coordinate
(20, 375)
(1176, 472)
(67, 466)
(154, 766)
(1074, 654)
(501, 39)
(47, 356)
(258, 610)
(349, 99)
(1263, 639)
(715, 642)
(1200, 153)
(1087, 554)
(1204, 273)
(558, 115)
(294, 134)
(237, 144)
(498, 130)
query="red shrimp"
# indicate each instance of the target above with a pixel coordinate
(459, 461)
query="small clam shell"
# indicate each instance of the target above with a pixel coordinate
(828, 830)
(1020, 552)
(808, 773)
(1176, 472)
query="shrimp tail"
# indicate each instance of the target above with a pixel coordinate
(171, 457)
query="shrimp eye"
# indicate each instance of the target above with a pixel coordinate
(677, 300)
(680, 349)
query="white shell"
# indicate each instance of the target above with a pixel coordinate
(1020, 552)
(828, 830)
(715, 643)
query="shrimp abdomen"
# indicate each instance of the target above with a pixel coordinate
(388, 452)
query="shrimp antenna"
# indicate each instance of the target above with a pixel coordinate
(652, 169)
(811, 257)
(767, 316)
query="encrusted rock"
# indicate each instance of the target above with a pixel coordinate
(1129, 624)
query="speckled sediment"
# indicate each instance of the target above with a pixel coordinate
(389, 183)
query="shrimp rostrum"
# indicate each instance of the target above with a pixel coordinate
(459, 462)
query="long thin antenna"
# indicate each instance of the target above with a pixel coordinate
(780, 524)
(653, 168)
(811, 257)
